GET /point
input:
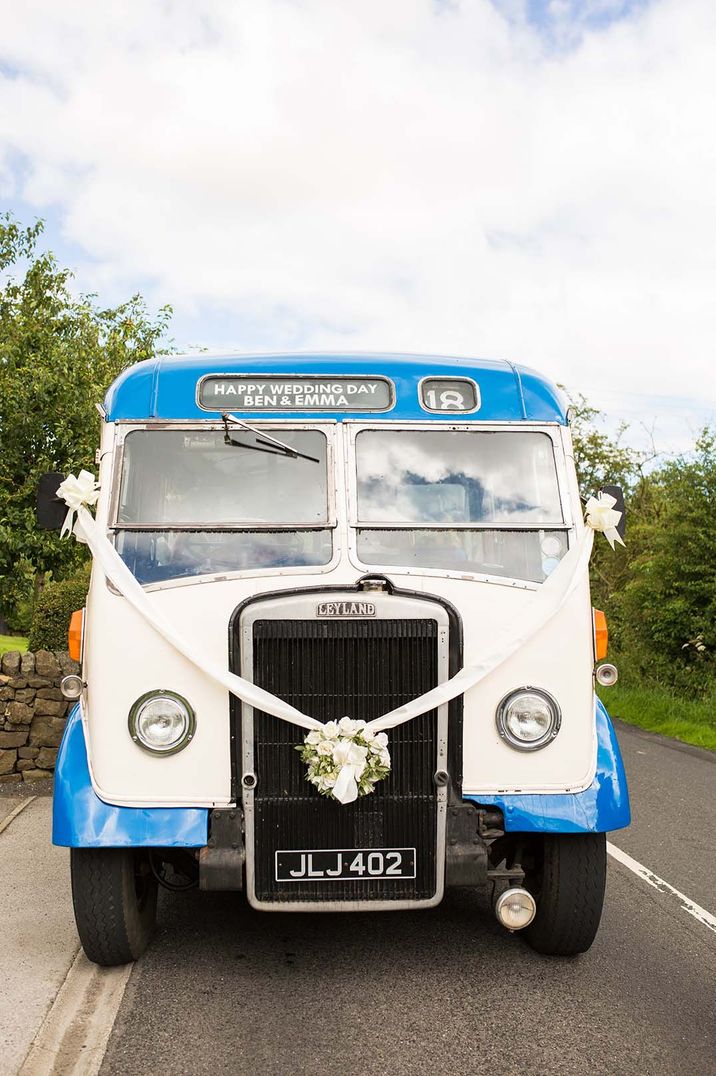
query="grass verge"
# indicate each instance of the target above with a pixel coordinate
(12, 642)
(658, 710)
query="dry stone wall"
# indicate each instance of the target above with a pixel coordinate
(33, 713)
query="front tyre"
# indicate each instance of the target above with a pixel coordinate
(568, 885)
(114, 894)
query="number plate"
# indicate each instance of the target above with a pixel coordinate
(356, 864)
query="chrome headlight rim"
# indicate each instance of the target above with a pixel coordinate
(135, 713)
(72, 687)
(528, 745)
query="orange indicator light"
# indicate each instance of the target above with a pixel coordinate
(601, 634)
(74, 635)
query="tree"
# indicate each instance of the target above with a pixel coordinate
(659, 592)
(668, 605)
(601, 459)
(58, 354)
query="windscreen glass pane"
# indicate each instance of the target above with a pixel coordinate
(453, 476)
(175, 477)
(528, 555)
(155, 556)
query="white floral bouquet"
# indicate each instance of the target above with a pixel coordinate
(345, 759)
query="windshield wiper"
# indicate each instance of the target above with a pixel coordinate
(270, 443)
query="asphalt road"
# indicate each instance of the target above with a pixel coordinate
(228, 990)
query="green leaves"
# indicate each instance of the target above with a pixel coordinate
(660, 592)
(601, 459)
(58, 354)
(54, 606)
(669, 600)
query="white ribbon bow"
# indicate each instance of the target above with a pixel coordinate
(352, 759)
(602, 516)
(77, 492)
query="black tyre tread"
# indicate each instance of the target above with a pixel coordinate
(111, 927)
(569, 906)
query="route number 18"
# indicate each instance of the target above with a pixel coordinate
(449, 394)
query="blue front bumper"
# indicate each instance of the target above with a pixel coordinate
(82, 820)
(602, 807)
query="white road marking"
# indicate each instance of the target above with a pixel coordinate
(688, 905)
(73, 1036)
(16, 811)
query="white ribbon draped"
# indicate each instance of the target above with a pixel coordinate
(537, 611)
(119, 574)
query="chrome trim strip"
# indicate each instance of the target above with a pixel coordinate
(211, 423)
(225, 527)
(302, 607)
(382, 525)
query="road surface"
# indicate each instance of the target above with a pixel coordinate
(228, 990)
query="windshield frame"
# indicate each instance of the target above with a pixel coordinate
(326, 427)
(552, 429)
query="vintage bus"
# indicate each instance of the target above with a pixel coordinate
(348, 533)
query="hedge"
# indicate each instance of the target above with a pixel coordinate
(54, 606)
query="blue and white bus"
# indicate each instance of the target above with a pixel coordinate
(348, 533)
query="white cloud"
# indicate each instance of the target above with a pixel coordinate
(406, 175)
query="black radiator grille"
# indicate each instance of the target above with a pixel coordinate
(332, 669)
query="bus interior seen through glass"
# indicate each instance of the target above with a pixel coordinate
(184, 481)
(456, 476)
(176, 477)
(440, 481)
(155, 556)
(435, 479)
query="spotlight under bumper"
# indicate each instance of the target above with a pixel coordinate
(515, 908)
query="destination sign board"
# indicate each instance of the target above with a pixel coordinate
(449, 394)
(233, 392)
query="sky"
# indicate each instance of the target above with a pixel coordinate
(524, 179)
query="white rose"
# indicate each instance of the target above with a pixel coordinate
(325, 747)
(330, 730)
(314, 737)
(368, 734)
(381, 740)
(385, 757)
(346, 727)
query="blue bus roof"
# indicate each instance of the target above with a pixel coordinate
(166, 387)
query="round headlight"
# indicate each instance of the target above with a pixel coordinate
(528, 718)
(161, 722)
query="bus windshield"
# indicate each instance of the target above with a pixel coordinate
(447, 499)
(192, 504)
(176, 477)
